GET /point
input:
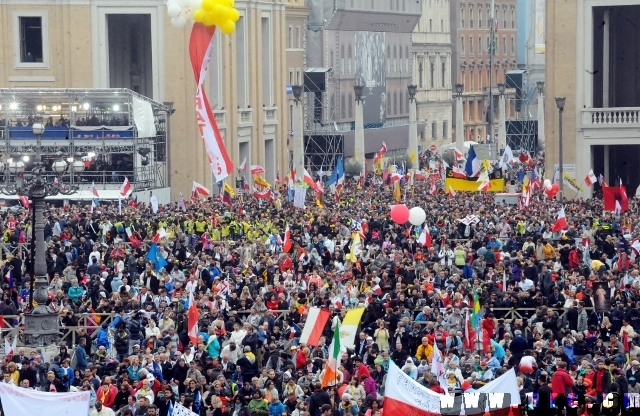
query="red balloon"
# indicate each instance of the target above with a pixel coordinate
(555, 188)
(400, 214)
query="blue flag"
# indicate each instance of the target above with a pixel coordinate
(473, 164)
(155, 256)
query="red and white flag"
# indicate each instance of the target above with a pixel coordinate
(287, 244)
(452, 193)
(10, 349)
(200, 49)
(200, 190)
(312, 331)
(125, 189)
(395, 177)
(591, 178)
(243, 165)
(94, 191)
(193, 316)
(312, 184)
(485, 185)
(266, 194)
(425, 237)
(257, 169)
(24, 200)
(457, 153)
(561, 222)
(433, 190)
(381, 153)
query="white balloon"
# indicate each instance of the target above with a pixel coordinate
(548, 187)
(547, 182)
(174, 10)
(179, 21)
(417, 216)
(170, 2)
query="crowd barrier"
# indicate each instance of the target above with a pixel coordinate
(91, 322)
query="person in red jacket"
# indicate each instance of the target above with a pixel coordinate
(561, 384)
(574, 259)
(434, 385)
(107, 393)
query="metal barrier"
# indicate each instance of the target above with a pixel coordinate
(91, 322)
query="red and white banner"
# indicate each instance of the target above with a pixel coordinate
(266, 194)
(200, 49)
(405, 396)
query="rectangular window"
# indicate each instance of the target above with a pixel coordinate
(430, 25)
(480, 18)
(343, 106)
(480, 50)
(401, 102)
(504, 45)
(434, 130)
(441, 25)
(30, 39)
(470, 46)
(298, 77)
(513, 19)
(462, 17)
(471, 18)
(445, 130)
(290, 39)
(291, 77)
(350, 106)
(298, 37)
(513, 46)
(395, 103)
(462, 45)
(504, 19)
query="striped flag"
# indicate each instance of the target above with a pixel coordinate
(331, 370)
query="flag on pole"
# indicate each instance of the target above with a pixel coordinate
(199, 190)
(312, 184)
(331, 370)
(380, 155)
(476, 314)
(397, 195)
(243, 165)
(125, 189)
(437, 366)
(561, 222)
(257, 169)
(10, 349)
(181, 205)
(287, 244)
(591, 178)
(192, 320)
(228, 194)
(94, 191)
(425, 237)
(485, 185)
(452, 193)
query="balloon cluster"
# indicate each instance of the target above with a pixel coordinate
(181, 11)
(218, 13)
(400, 214)
(550, 189)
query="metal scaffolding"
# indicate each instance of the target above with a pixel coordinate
(522, 128)
(94, 125)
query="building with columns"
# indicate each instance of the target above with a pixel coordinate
(593, 65)
(470, 35)
(431, 48)
(132, 44)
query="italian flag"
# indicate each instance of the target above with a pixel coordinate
(331, 371)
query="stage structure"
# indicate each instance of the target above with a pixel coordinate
(114, 133)
(522, 127)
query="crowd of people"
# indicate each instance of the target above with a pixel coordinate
(561, 308)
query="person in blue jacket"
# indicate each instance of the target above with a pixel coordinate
(66, 374)
(276, 408)
(102, 339)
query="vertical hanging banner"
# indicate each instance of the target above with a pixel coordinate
(200, 49)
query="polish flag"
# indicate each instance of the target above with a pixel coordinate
(561, 222)
(159, 235)
(192, 320)
(125, 189)
(381, 153)
(452, 193)
(10, 349)
(312, 331)
(457, 153)
(257, 169)
(420, 176)
(395, 177)
(24, 200)
(200, 190)
(287, 244)
(591, 178)
(94, 191)
(425, 237)
(309, 181)
(243, 165)
(485, 185)
(433, 190)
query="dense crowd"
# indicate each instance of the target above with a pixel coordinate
(556, 306)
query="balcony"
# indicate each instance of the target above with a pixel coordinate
(245, 116)
(609, 117)
(221, 117)
(270, 115)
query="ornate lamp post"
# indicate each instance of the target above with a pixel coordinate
(41, 322)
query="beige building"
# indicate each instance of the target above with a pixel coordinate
(591, 63)
(296, 21)
(470, 35)
(431, 46)
(132, 44)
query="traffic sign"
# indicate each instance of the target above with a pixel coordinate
(433, 147)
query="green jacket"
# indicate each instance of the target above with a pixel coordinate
(258, 406)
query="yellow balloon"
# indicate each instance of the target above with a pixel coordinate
(221, 12)
(199, 15)
(209, 19)
(228, 27)
(207, 5)
(234, 15)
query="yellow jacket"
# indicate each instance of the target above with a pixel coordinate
(424, 352)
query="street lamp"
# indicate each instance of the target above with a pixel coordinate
(358, 89)
(459, 89)
(502, 118)
(297, 92)
(560, 101)
(540, 85)
(501, 88)
(41, 322)
(412, 91)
